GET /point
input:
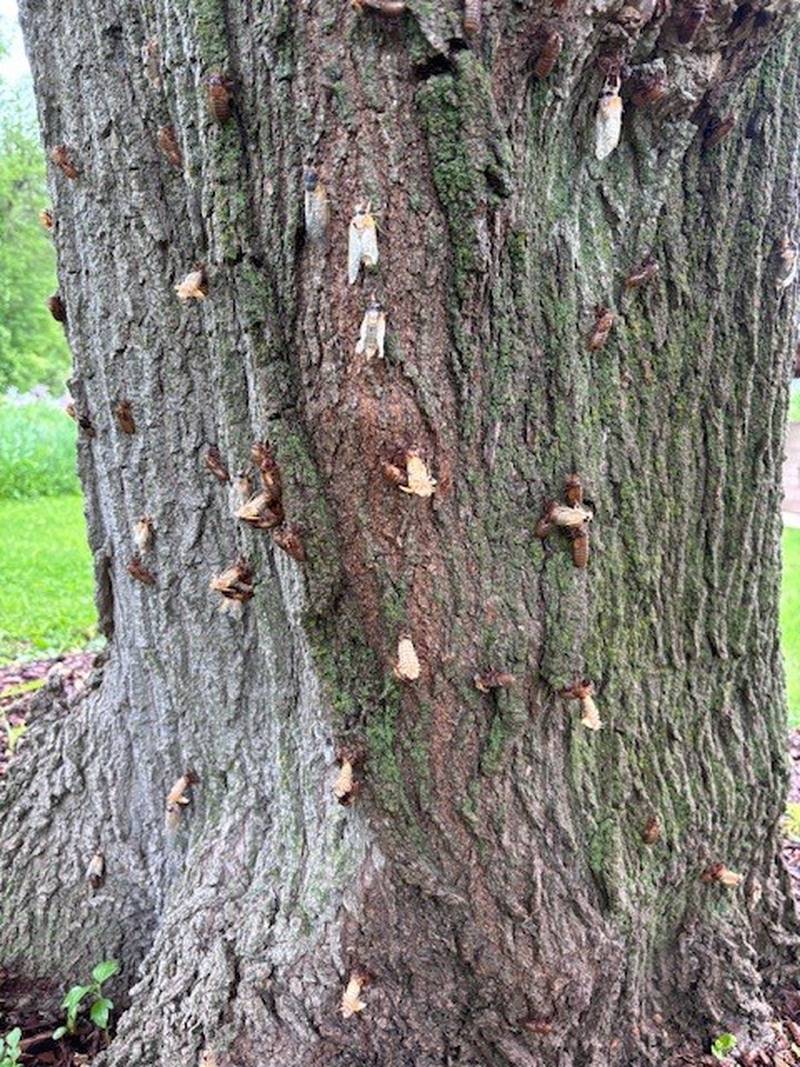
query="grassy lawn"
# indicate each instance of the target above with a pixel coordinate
(46, 598)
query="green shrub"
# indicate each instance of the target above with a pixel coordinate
(37, 451)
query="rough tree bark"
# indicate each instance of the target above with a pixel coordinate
(491, 876)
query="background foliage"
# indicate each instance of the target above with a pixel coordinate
(32, 346)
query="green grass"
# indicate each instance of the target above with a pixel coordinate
(46, 588)
(37, 451)
(794, 406)
(790, 620)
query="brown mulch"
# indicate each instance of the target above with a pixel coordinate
(69, 674)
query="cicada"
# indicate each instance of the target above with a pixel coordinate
(608, 120)
(363, 241)
(373, 331)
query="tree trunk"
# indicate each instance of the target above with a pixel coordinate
(519, 888)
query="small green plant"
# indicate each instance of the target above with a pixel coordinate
(722, 1046)
(92, 994)
(9, 1048)
(14, 732)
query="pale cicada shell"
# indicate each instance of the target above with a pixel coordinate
(343, 786)
(363, 241)
(590, 716)
(316, 206)
(177, 799)
(407, 668)
(373, 331)
(351, 998)
(96, 871)
(143, 532)
(608, 121)
(420, 483)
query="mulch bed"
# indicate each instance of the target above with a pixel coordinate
(18, 689)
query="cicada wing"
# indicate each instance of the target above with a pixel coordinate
(354, 251)
(608, 126)
(369, 245)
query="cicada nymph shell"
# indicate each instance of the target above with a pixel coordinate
(363, 241)
(493, 679)
(95, 872)
(652, 830)
(236, 586)
(407, 667)
(645, 272)
(650, 88)
(143, 533)
(123, 413)
(316, 205)
(137, 570)
(351, 997)
(584, 692)
(219, 94)
(177, 799)
(551, 50)
(151, 61)
(473, 12)
(343, 786)
(261, 455)
(290, 539)
(573, 490)
(215, 464)
(608, 120)
(168, 143)
(261, 512)
(372, 336)
(83, 421)
(718, 872)
(57, 308)
(717, 129)
(420, 483)
(60, 155)
(194, 286)
(46, 218)
(786, 257)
